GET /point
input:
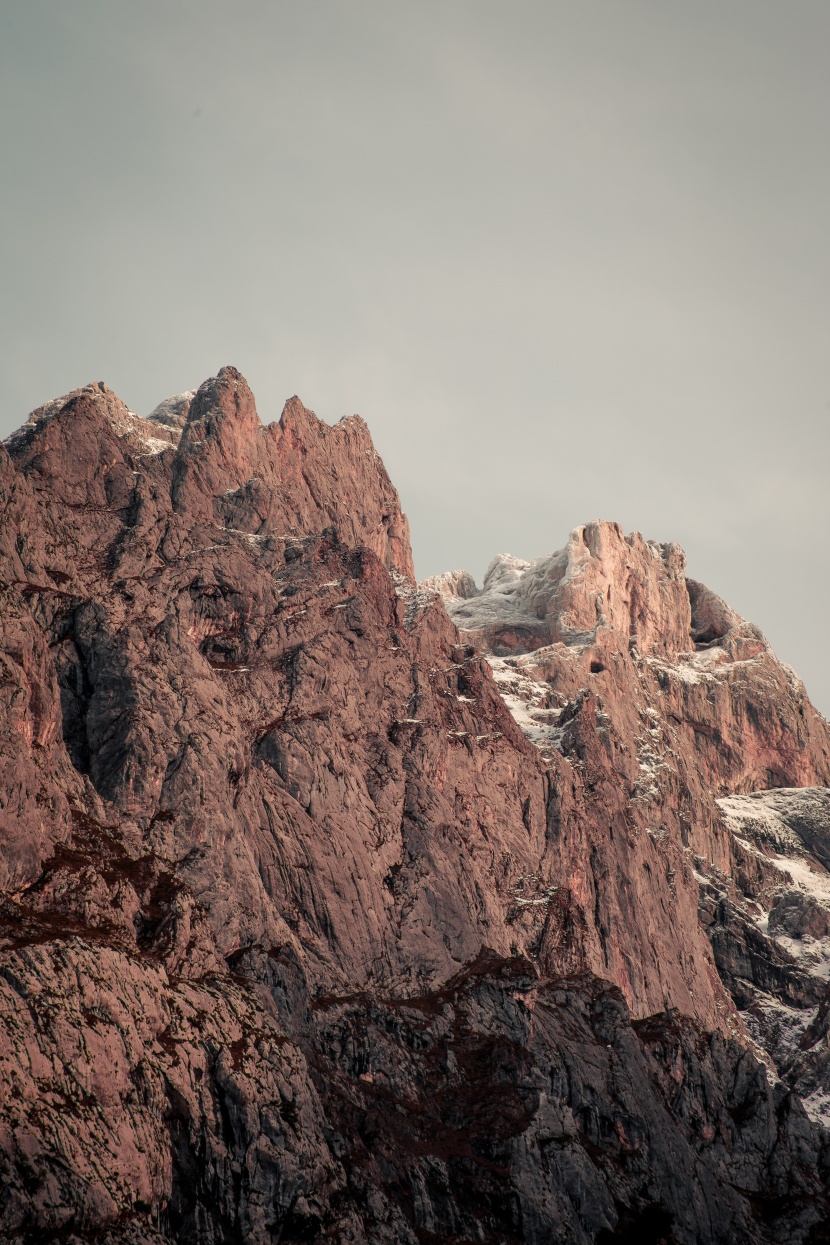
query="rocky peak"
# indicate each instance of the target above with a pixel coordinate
(223, 414)
(602, 588)
(221, 467)
(91, 416)
(452, 585)
(220, 446)
(172, 412)
(608, 610)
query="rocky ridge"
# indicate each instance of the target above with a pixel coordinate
(341, 907)
(724, 698)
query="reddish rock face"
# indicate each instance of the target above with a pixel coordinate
(274, 830)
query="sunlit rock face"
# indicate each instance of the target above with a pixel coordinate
(339, 907)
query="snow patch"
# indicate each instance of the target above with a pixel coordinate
(788, 829)
(775, 1026)
(173, 411)
(817, 1106)
(529, 703)
(514, 591)
(153, 446)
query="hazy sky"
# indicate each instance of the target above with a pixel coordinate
(569, 259)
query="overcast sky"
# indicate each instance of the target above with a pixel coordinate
(569, 259)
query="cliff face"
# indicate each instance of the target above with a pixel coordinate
(336, 907)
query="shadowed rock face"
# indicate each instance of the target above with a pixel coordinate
(325, 920)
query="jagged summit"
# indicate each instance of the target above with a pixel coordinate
(97, 397)
(209, 453)
(602, 587)
(596, 614)
(336, 907)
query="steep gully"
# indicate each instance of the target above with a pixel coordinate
(337, 907)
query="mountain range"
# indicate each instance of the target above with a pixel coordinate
(338, 907)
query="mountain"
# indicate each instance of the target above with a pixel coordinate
(341, 908)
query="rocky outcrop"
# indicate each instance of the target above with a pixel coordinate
(334, 909)
(769, 924)
(602, 589)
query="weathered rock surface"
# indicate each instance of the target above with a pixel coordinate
(769, 923)
(324, 920)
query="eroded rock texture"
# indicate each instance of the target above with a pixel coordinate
(323, 919)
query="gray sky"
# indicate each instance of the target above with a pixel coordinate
(568, 259)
